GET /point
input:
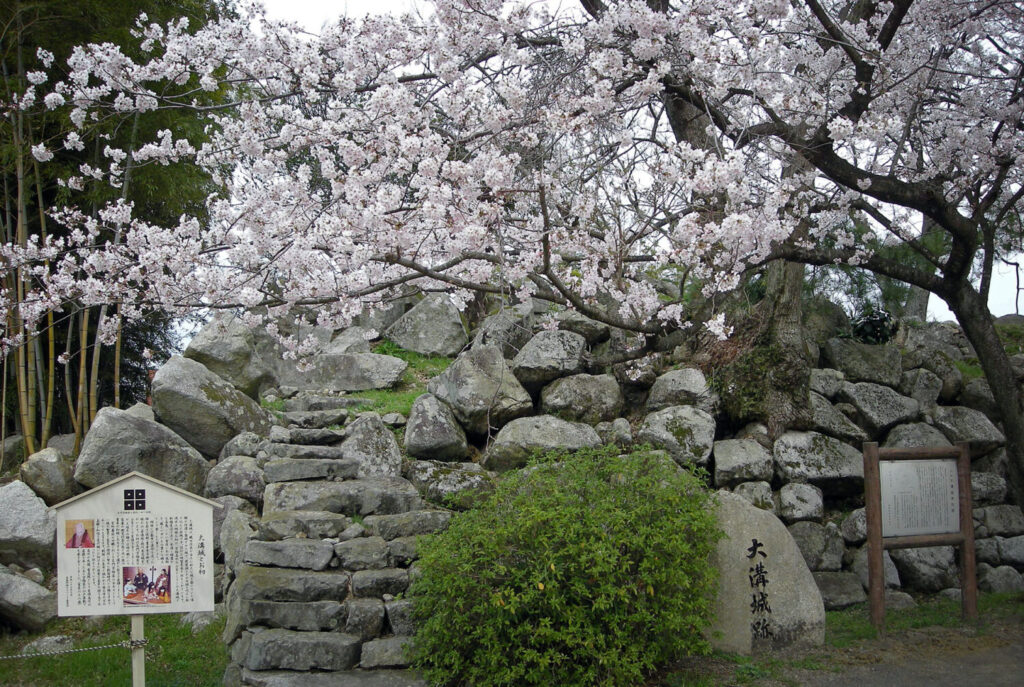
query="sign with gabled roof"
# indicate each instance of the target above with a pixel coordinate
(134, 545)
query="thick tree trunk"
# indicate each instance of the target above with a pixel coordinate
(976, 321)
(784, 298)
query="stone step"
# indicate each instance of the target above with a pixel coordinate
(316, 437)
(367, 496)
(274, 450)
(348, 678)
(312, 403)
(316, 419)
(295, 469)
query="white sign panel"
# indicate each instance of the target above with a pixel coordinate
(134, 545)
(919, 497)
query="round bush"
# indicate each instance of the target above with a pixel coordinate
(583, 569)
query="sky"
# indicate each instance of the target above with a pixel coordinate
(312, 14)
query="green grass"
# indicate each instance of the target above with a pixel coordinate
(276, 405)
(412, 385)
(174, 656)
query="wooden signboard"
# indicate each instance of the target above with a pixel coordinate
(915, 498)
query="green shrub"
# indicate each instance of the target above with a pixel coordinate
(584, 569)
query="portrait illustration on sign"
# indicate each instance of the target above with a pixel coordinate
(79, 534)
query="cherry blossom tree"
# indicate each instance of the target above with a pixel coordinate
(513, 150)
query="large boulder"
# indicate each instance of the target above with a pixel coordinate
(355, 372)
(226, 346)
(519, 439)
(548, 356)
(686, 432)
(922, 385)
(940, 364)
(25, 604)
(27, 527)
(966, 424)
(879, 407)
(50, 475)
(118, 443)
(455, 485)
(509, 329)
(203, 408)
(432, 431)
(810, 457)
(839, 589)
(926, 569)
(822, 546)
(239, 476)
(593, 331)
(583, 398)
(481, 390)
(864, 362)
(683, 387)
(757, 555)
(827, 419)
(741, 460)
(372, 446)
(915, 435)
(433, 327)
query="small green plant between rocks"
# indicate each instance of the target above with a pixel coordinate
(582, 569)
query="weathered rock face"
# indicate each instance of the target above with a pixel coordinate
(226, 347)
(350, 340)
(520, 438)
(686, 432)
(204, 409)
(355, 372)
(914, 435)
(826, 381)
(373, 447)
(433, 327)
(27, 527)
(50, 475)
(864, 362)
(583, 398)
(825, 418)
(839, 589)
(352, 497)
(481, 390)
(921, 385)
(879, 407)
(548, 356)
(456, 485)
(118, 443)
(433, 432)
(236, 476)
(683, 387)
(820, 460)
(800, 502)
(509, 329)
(928, 569)
(25, 604)
(593, 331)
(821, 545)
(966, 424)
(741, 460)
(757, 546)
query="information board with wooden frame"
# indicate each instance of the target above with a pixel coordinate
(879, 542)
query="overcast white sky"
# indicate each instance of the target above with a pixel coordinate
(312, 14)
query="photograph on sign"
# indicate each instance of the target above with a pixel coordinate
(79, 534)
(135, 546)
(919, 497)
(147, 584)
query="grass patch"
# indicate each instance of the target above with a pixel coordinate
(412, 385)
(277, 405)
(174, 656)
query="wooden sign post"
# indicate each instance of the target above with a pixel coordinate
(914, 498)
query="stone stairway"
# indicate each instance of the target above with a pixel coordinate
(318, 595)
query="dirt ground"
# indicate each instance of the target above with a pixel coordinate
(991, 655)
(937, 657)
